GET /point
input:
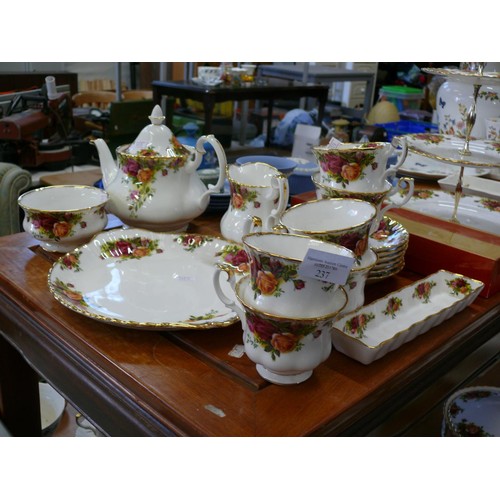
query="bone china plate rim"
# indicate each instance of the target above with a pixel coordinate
(145, 280)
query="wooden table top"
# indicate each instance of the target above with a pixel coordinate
(138, 382)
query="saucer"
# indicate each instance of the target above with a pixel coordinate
(212, 83)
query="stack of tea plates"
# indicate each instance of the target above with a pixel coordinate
(390, 243)
(219, 202)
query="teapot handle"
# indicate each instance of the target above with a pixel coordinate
(404, 182)
(221, 157)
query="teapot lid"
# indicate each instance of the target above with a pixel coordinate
(158, 138)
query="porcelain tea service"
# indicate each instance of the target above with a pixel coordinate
(153, 184)
(64, 217)
(258, 192)
(359, 166)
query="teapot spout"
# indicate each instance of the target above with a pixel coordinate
(109, 168)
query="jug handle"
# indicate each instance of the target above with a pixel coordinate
(402, 184)
(397, 141)
(231, 278)
(279, 183)
(221, 157)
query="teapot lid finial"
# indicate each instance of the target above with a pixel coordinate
(157, 116)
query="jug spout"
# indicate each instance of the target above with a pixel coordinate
(109, 167)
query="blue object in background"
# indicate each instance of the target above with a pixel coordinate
(403, 127)
(192, 133)
(285, 131)
(301, 179)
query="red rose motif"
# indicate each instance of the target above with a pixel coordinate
(237, 200)
(122, 248)
(351, 172)
(261, 328)
(131, 167)
(240, 257)
(61, 229)
(266, 282)
(284, 342)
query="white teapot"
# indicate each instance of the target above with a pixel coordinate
(153, 184)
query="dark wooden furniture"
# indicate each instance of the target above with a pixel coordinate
(262, 90)
(137, 382)
(16, 82)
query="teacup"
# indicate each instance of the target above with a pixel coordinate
(285, 349)
(209, 74)
(62, 218)
(359, 166)
(277, 283)
(346, 222)
(380, 198)
(257, 190)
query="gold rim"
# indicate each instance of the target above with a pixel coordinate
(159, 157)
(476, 292)
(69, 210)
(232, 180)
(178, 325)
(314, 319)
(288, 235)
(329, 231)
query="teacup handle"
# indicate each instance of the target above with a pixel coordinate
(221, 157)
(402, 183)
(231, 278)
(397, 141)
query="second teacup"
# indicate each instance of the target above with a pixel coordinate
(346, 222)
(380, 198)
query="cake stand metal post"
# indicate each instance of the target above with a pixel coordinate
(469, 125)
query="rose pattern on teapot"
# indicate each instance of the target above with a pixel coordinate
(141, 171)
